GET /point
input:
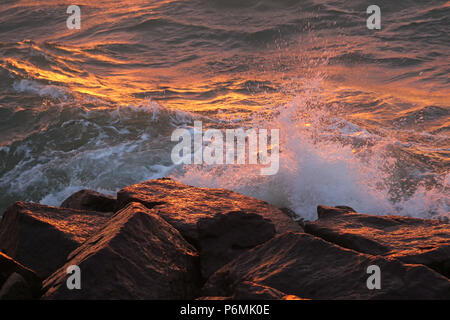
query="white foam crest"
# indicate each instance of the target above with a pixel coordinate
(157, 113)
(42, 90)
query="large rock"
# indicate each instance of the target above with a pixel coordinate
(411, 240)
(183, 206)
(309, 267)
(16, 288)
(247, 290)
(223, 237)
(136, 256)
(90, 200)
(40, 237)
(17, 281)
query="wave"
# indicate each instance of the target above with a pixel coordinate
(43, 90)
(325, 159)
(75, 146)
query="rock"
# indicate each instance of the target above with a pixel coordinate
(291, 214)
(91, 201)
(214, 298)
(183, 206)
(137, 255)
(248, 290)
(17, 281)
(411, 240)
(346, 208)
(40, 237)
(306, 266)
(223, 237)
(292, 297)
(16, 288)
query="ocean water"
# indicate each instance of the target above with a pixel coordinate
(363, 114)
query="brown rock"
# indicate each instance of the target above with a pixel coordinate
(411, 240)
(40, 237)
(248, 290)
(214, 298)
(136, 256)
(90, 200)
(292, 297)
(16, 288)
(306, 266)
(183, 206)
(24, 284)
(223, 237)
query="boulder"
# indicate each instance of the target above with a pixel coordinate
(411, 240)
(40, 237)
(248, 290)
(17, 281)
(223, 237)
(309, 267)
(137, 255)
(291, 214)
(183, 206)
(90, 200)
(16, 288)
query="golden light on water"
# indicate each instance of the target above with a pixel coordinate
(88, 66)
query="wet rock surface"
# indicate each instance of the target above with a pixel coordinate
(40, 237)
(91, 201)
(224, 237)
(411, 240)
(136, 256)
(306, 266)
(184, 206)
(167, 240)
(17, 281)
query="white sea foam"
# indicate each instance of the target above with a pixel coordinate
(42, 90)
(316, 167)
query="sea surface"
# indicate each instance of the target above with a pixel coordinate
(364, 115)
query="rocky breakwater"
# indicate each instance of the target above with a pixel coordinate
(162, 239)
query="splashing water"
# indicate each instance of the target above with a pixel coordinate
(319, 164)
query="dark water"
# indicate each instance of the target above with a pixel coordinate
(363, 114)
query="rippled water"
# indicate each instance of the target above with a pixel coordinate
(363, 114)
